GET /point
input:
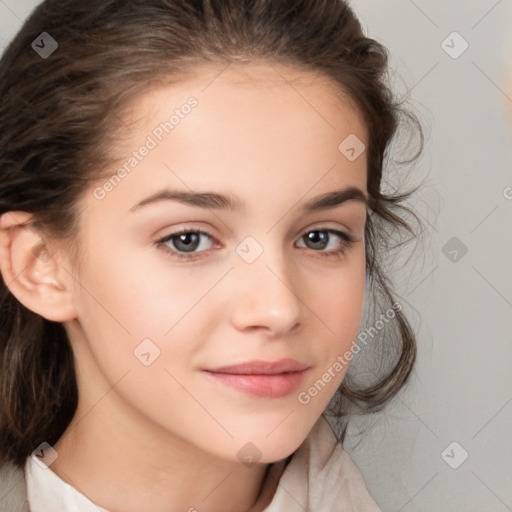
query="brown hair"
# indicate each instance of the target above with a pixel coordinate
(59, 118)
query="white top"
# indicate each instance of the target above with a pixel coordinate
(320, 477)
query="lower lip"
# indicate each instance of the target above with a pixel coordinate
(269, 386)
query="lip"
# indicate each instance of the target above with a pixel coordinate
(259, 367)
(262, 378)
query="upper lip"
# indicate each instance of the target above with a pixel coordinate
(262, 367)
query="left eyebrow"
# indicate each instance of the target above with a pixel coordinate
(215, 201)
(333, 199)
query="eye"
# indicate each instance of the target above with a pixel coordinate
(184, 241)
(320, 239)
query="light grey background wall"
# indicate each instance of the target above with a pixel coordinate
(462, 390)
(445, 443)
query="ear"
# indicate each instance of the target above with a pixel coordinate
(31, 269)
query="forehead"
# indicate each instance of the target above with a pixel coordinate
(268, 133)
(252, 90)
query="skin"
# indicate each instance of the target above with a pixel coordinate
(164, 437)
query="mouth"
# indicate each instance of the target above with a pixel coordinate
(259, 367)
(260, 378)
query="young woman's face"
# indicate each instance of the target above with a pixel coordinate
(269, 278)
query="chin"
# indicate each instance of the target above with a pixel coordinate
(274, 446)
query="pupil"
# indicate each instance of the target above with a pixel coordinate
(186, 238)
(318, 238)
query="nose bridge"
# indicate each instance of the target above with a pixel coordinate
(268, 287)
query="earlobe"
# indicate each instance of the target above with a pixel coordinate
(31, 270)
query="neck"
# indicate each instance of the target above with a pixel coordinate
(123, 467)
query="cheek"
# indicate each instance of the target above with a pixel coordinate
(335, 357)
(125, 293)
(141, 331)
(130, 300)
(338, 302)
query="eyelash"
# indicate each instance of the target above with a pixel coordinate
(347, 241)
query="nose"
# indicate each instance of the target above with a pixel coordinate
(266, 295)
